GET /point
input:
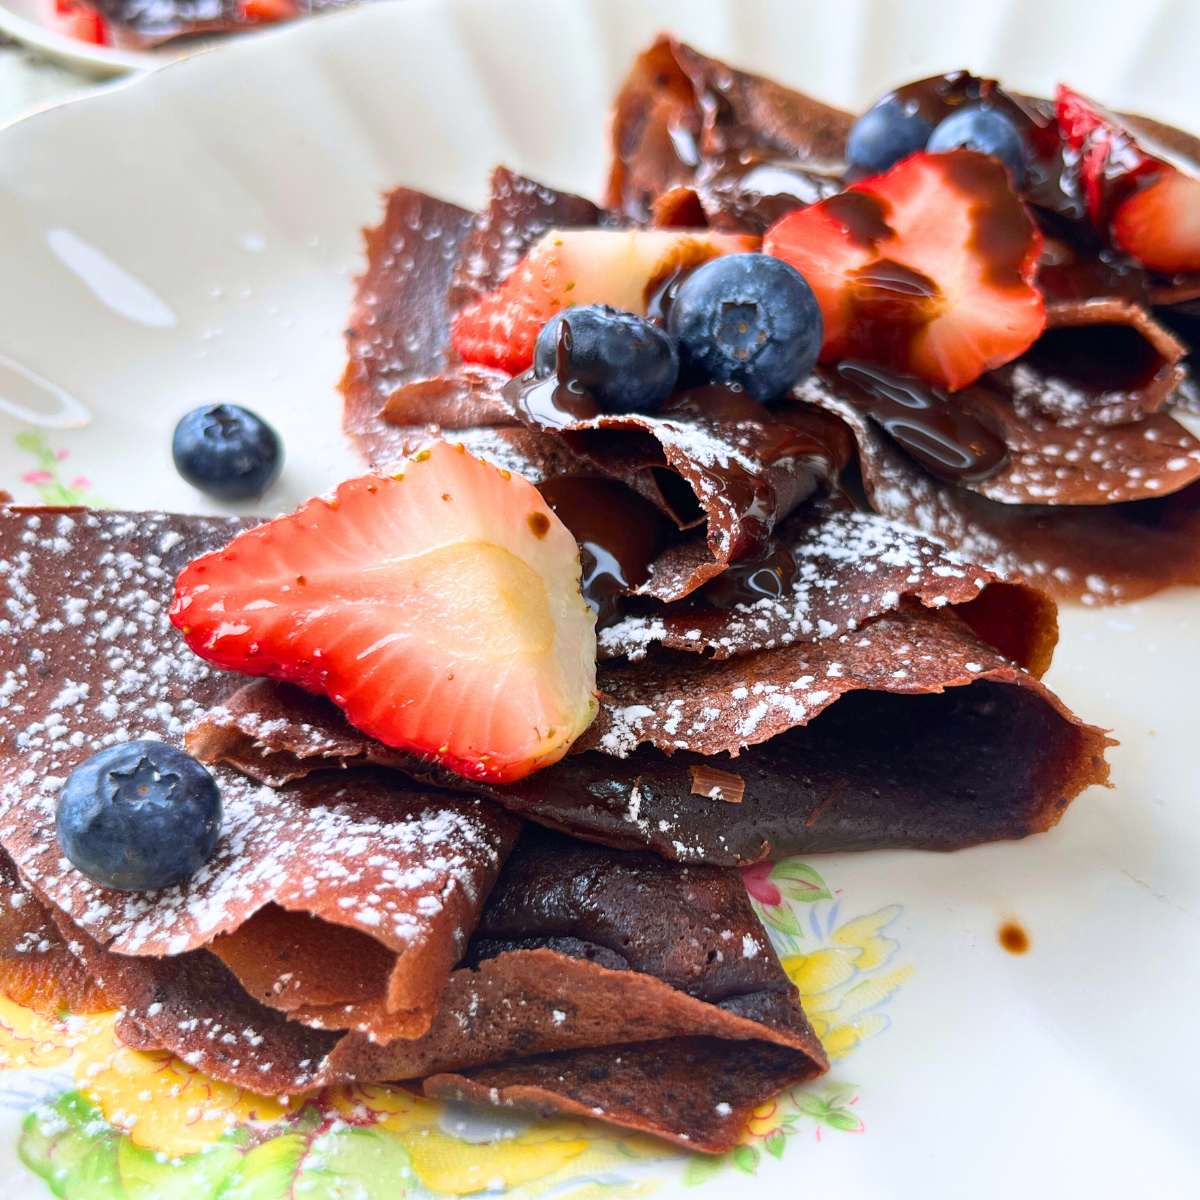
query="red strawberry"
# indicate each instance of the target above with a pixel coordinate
(620, 267)
(262, 11)
(1144, 204)
(82, 23)
(439, 608)
(928, 267)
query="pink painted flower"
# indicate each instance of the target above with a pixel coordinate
(758, 883)
(37, 477)
(81, 483)
(60, 454)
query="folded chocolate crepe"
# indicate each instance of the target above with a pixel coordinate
(36, 969)
(382, 880)
(598, 983)
(1096, 495)
(347, 927)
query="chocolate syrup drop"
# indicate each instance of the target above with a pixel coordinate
(946, 440)
(620, 534)
(769, 576)
(1067, 272)
(554, 400)
(754, 191)
(862, 215)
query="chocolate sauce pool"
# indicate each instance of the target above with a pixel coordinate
(620, 534)
(946, 440)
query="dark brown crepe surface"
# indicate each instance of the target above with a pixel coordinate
(1099, 554)
(955, 747)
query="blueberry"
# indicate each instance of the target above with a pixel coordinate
(139, 815)
(227, 451)
(890, 130)
(624, 362)
(746, 319)
(988, 130)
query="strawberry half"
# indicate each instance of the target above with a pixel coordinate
(927, 268)
(439, 608)
(621, 267)
(1140, 201)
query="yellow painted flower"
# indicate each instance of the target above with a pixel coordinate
(529, 1159)
(28, 1039)
(159, 1100)
(842, 982)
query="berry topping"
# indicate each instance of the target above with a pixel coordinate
(439, 608)
(624, 362)
(928, 268)
(749, 320)
(988, 130)
(1145, 205)
(892, 129)
(227, 451)
(138, 816)
(617, 267)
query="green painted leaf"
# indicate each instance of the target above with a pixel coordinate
(840, 1095)
(798, 881)
(702, 1167)
(268, 1171)
(81, 1157)
(811, 1106)
(776, 1144)
(745, 1158)
(841, 1118)
(355, 1164)
(780, 917)
(149, 1176)
(70, 1146)
(35, 444)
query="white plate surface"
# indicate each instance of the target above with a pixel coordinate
(194, 235)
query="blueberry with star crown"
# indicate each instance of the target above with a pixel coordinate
(138, 816)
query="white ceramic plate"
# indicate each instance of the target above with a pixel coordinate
(27, 21)
(194, 235)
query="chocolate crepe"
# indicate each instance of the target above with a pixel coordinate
(365, 872)
(647, 994)
(911, 732)
(1096, 553)
(1075, 409)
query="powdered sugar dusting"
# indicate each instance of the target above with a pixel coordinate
(359, 851)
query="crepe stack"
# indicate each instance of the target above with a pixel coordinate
(578, 941)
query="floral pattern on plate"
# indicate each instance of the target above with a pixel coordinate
(98, 1121)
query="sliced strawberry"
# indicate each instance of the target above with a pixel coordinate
(438, 608)
(263, 11)
(928, 267)
(1160, 224)
(578, 266)
(83, 24)
(1144, 204)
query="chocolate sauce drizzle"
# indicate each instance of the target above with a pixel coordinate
(949, 442)
(769, 576)
(620, 534)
